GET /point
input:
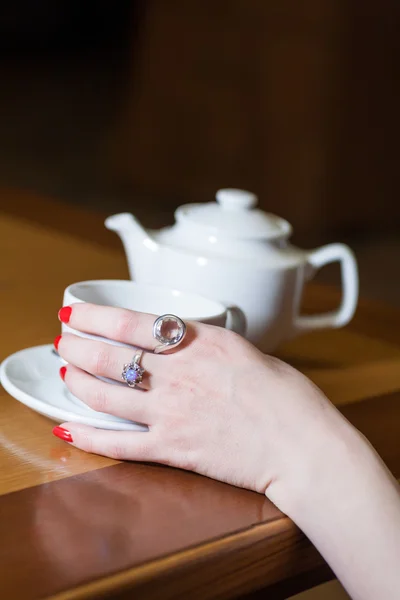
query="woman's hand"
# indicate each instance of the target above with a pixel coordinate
(214, 405)
(218, 406)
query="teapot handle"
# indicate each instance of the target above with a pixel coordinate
(349, 275)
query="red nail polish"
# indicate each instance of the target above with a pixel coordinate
(64, 314)
(62, 433)
(57, 341)
(63, 370)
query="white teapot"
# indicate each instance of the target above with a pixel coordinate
(233, 252)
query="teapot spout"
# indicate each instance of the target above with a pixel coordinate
(128, 228)
(125, 223)
(132, 235)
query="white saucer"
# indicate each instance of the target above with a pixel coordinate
(32, 377)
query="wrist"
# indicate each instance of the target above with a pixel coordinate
(348, 505)
(324, 467)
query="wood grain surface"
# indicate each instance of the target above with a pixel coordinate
(81, 526)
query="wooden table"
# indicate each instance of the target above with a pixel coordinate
(78, 526)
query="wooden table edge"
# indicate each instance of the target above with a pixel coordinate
(208, 561)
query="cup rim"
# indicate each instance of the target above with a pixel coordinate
(73, 288)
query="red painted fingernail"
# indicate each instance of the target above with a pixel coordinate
(57, 341)
(64, 314)
(62, 433)
(63, 370)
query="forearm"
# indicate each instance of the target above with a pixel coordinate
(348, 505)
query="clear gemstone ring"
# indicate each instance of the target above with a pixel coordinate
(169, 330)
(133, 373)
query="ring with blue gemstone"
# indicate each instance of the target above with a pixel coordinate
(133, 373)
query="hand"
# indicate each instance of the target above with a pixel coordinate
(215, 405)
(218, 406)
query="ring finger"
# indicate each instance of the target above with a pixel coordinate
(105, 360)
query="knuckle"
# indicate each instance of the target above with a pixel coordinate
(175, 422)
(277, 366)
(145, 452)
(179, 453)
(97, 398)
(231, 343)
(100, 362)
(176, 385)
(126, 324)
(216, 342)
(188, 461)
(116, 451)
(180, 372)
(86, 443)
(228, 339)
(186, 385)
(182, 383)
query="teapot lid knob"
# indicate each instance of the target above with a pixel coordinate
(234, 199)
(233, 215)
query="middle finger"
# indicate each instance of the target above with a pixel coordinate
(106, 360)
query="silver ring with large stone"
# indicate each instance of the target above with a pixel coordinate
(169, 330)
(133, 373)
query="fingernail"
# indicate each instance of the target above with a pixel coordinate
(57, 341)
(64, 314)
(63, 370)
(62, 433)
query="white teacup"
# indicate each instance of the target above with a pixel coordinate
(149, 299)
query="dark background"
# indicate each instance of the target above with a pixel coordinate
(142, 106)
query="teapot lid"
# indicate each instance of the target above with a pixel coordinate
(234, 214)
